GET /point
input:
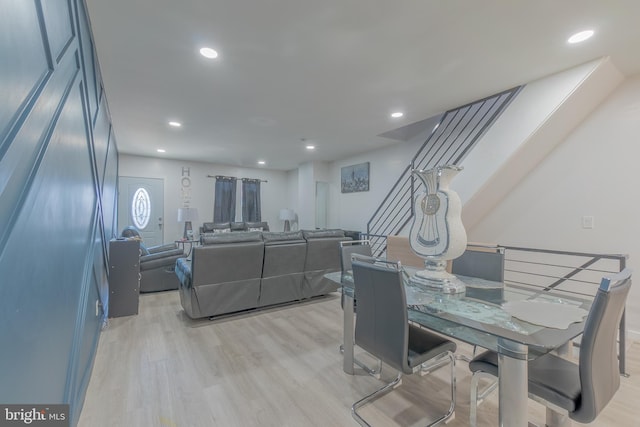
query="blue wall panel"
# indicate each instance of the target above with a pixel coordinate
(89, 325)
(88, 59)
(23, 63)
(53, 233)
(109, 190)
(39, 317)
(101, 139)
(19, 162)
(57, 19)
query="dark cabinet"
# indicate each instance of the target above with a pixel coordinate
(124, 277)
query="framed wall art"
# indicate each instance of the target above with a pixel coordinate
(355, 178)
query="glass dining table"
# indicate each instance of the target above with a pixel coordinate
(480, 316)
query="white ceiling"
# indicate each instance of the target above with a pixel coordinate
(328, 71)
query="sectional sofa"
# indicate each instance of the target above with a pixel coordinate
(232, 272)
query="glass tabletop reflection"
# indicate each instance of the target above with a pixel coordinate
(478, 315)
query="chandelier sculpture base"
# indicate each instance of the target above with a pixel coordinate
(436, 277)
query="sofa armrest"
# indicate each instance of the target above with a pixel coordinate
(161, 248)
(183, 271)
(167, 263)
(161, 255)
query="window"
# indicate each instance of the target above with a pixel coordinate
(141, 208)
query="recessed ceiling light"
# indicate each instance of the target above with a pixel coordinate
(262, 162)
(175, 124)
(580, 37)
(161, 150)
(207, 52)
(397, 114)
(310, 147)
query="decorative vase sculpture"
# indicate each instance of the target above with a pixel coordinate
(437, 233)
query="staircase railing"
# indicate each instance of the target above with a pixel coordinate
(565, 272)
(450, 142)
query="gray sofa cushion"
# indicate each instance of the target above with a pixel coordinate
(213, 227)
(240, 236)
(281, 236)
(283, 270)
(314, 234)
(226, 277)
(238, 226)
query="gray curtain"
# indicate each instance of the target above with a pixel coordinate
(224, 205)
(251, 211)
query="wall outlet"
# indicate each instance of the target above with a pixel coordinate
(588, 221)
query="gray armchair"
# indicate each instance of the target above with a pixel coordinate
(383, 328)
(579, 391)
(157, 264)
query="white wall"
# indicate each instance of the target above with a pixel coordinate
(593, 172)
(531, 110)
(352, 211)
(274, 193)
(306, 210)
(292, 196)
(308, 174)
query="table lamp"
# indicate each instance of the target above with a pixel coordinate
(187, 215)
(287, 215)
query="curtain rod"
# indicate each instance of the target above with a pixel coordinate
(233, 177)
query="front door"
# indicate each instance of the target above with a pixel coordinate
(141, 204)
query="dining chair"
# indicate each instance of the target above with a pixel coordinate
(347, 249)
(383, 329)
(577, 391)
(485, 264)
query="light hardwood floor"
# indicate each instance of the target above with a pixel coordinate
(278, 367)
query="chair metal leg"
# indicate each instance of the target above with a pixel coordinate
(374, 372)
(388, 387)
(476, 399)
(452, 406)
(434, 364)
(463, 357)
(555, 415)
(467, 358)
